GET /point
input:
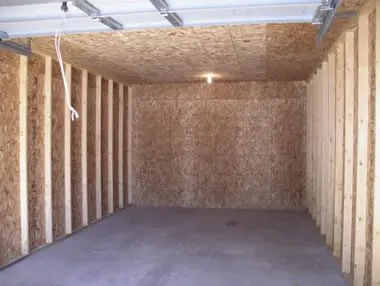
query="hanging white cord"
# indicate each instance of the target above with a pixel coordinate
(57, 41)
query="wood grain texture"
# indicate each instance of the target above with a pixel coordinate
(314, 148)
(130, 191)
(91, 155)
(194, 145)
(339, 150)
(272, 52)
(36, 199)
(324, 144)
(126, 144)
(331, 148)
(349, 157)
(98, 146)
(310, 149)
(115, 142)
(23, 148)
(362, 162)
(376, 194)
(318, 169)
(9, 158)
(120, 154)
(58, 193)
(68, 148)
(104, 146)
(48, 150)
(371, 147)
(84, 142)
(110, 145)
(33, 119)
(356, 74)
(351, 5)
(76, 151)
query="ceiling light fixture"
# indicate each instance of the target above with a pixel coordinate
(209, 79)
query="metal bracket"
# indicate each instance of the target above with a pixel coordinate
(163, 7)
(94, 13)
(3, 35)
(324, 17)
(346, 14)
(15, 47)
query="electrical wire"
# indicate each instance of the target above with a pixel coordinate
(57, 41)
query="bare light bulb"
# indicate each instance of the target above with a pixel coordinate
(209, 79)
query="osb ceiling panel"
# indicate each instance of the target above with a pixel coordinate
(234, 52)
(348, 5)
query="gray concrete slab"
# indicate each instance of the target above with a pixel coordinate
(148, 246)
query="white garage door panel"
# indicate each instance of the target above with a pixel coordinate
(39, 28)
(178, 4)
(36, 12)
(251, 15)
(138, 21)
(123, 6)
(44, 19)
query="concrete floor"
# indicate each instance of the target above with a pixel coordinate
(179, 247)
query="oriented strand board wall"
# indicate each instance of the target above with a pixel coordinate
(104, 147)
(91, 107)
(58, 153)
(36, 200)
(44, 84)
(76, 175)
(9, 158)
(237, 145)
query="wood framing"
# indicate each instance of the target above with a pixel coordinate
(350, 89)
(23, 108)
(84, 148)
(120, 146)
(48, 151)
(362, 150)
(68, 208)
(315, 142)
(368, 7)
(339, 150)
(325, 145)
(318, 170)
(130, 99)
(98, 145)
(313, 146)
(110, 147)
(308, 142)
(330, 196)
(309, 152)
(376, 194)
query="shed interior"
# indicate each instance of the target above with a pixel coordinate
(237, 147)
